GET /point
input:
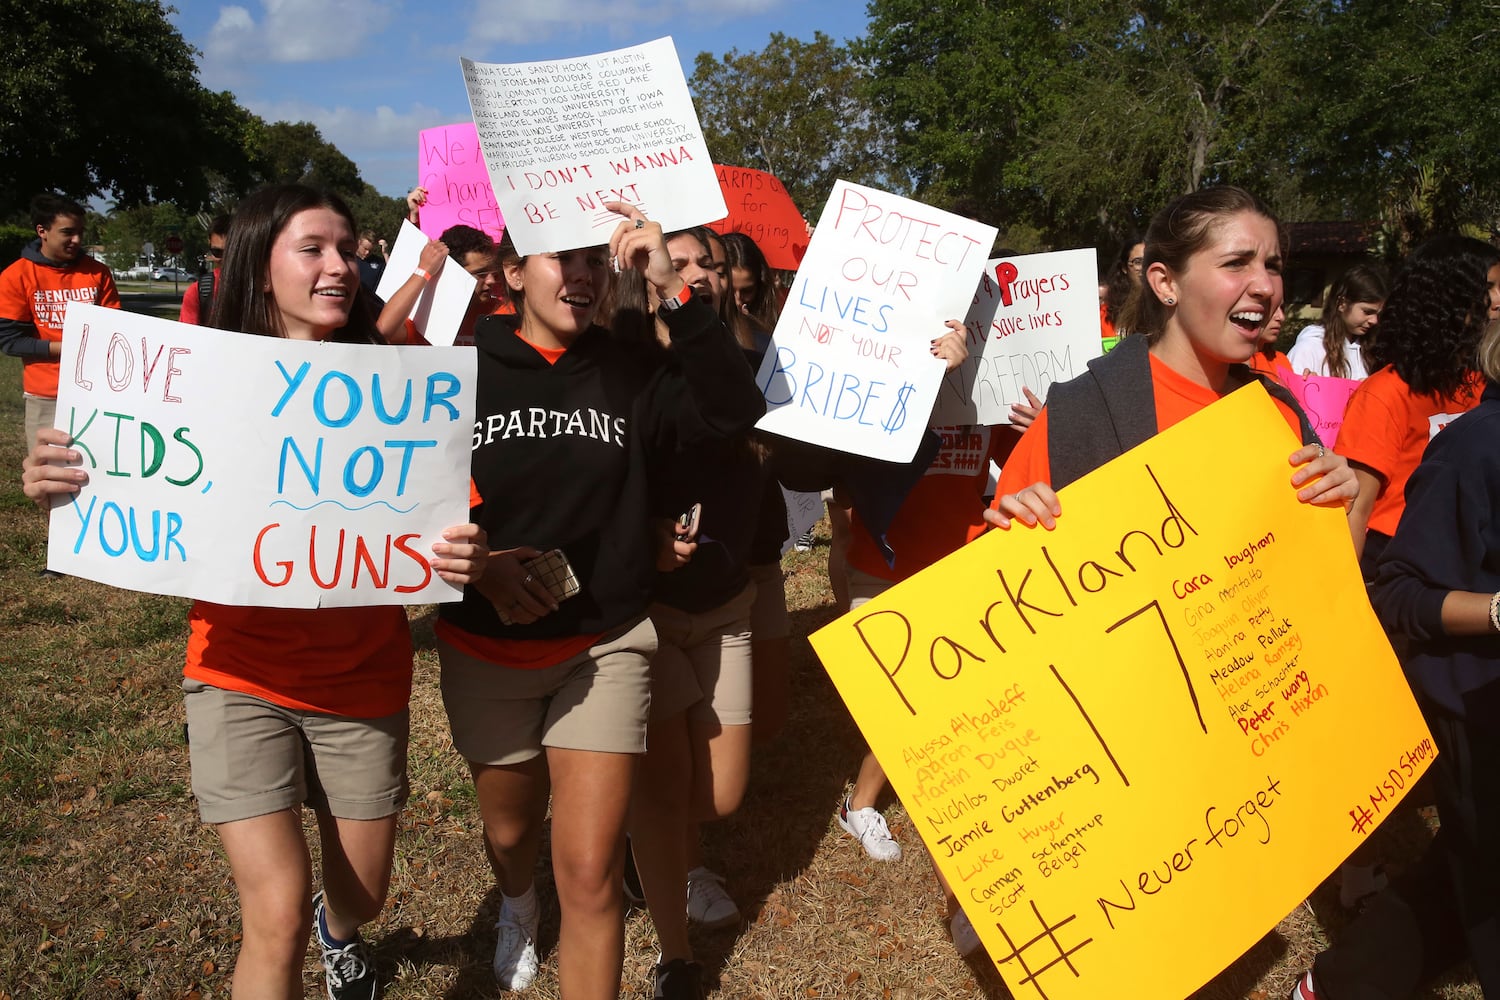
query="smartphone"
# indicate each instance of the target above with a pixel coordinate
(554, 572)
(687, 523)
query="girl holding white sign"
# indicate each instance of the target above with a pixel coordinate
(547, 681)
(294, 706)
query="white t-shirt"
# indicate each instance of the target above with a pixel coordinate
(1309, 355)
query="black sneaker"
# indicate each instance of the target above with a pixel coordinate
(678, 979)
(348, 972)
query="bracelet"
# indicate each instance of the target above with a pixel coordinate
(421, 272)
(1495, 612)
(679, 300)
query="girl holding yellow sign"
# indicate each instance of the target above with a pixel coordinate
(1212, 282)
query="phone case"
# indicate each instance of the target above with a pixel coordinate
(555, 573)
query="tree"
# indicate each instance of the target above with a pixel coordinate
(960, 85)
(1077, 119)
(1406, 103)
(102, 97)
(297, 153)
(796, 110)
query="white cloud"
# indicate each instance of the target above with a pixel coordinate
(497, 22)
(295, 30)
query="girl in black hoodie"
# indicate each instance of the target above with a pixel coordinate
(543, 689)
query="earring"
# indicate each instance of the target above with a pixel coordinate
(1170, 301)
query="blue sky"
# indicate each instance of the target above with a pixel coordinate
(371, 74)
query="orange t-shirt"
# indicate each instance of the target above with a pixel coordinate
(342, 661)
(37, 294)
(944, 510)
(1276, 367)
(1177, 398)
(1386, 428)
(522, 654)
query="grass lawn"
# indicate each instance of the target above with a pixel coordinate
(111, 888)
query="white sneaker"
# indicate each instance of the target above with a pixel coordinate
(868, 827)
(516, 962)
(708, 905)
(965, 937)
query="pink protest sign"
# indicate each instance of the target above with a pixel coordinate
(760, 208)
(1325, 400)
(451, 167)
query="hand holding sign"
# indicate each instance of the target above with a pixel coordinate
(255, 470)
(851, 365)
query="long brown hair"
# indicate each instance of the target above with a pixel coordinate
(242, 302)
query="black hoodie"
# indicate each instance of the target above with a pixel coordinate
(563, 452)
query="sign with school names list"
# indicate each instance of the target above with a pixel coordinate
(563, 137)
(1164, 721)
(259, 471)
(850, 365)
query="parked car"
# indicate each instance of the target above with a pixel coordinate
(140, 272)
(170, 274)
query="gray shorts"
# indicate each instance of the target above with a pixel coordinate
(251, 757)
(703, 664)
(597, 700)
(40, 412)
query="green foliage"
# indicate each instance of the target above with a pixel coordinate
(102, 97)
(1080, 118)
(373, 210)
(13, 240)
(796, 110)
(287, 153)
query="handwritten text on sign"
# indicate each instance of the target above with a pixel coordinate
(459, 193)
(1034, 321)
(850, 365)
(259, 471)
(1325, 400)
(760, 208)
(1118, 733)
(563, 137)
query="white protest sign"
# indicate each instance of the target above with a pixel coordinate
(803, 512)
(440, 309)
(850, 365)
(565, 136)
(259, 471)
(1034, 321)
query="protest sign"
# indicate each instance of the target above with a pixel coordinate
(1034, 321)
(850, 365)
(1167, 720)
(1325, 399)
(561, 138)
(256, 470)
(803, 512)
(760, 208)
(439, 311)
(450, 166)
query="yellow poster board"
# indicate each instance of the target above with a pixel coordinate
(1165, 721)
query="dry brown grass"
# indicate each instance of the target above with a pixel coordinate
(112, 889)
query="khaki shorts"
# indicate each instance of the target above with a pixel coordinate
(703, 664)
(251, 757)
(597, 700)
(864, 588)
(40, 412)
(768, 617)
